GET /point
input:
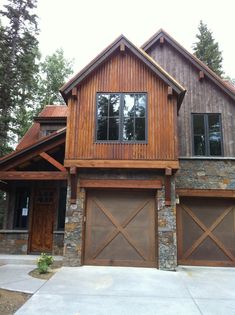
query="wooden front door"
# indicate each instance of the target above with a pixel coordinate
(43, 220)
(206, 231)
(120, 228)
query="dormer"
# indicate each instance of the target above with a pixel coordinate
(51, 119)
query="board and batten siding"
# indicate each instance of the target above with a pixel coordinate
(123, 73)
(201, 97)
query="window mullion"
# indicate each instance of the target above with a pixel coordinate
(206, 126)
(121, 117)
(134, 118)
(108, 119)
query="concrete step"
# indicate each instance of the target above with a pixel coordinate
(26, 260)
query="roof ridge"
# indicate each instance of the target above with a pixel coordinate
(153, 39)
(109, 50)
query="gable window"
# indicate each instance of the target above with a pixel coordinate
(121, 117)
(207, 134)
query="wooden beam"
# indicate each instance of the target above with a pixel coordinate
(73, 187)
(120, 183)
(122, 47)
(201, 75)
(52, 161)
(167, 190)
(220, 193)
(170, 91)
(33, 175)
(74, 92)
(174, 164)
(162, 40)
(168, 171)
(73, 170)
(29, 155)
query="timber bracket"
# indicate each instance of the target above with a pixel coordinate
(73, 184)
(168, 173)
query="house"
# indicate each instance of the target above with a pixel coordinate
(137, 170)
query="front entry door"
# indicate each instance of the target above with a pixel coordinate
(43, 220)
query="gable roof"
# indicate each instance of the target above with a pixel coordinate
(139, 53)
(48, 112)
(193, 59)
(54, 139)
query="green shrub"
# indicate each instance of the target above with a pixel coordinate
(44, 262)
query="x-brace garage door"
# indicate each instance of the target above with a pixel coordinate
(120, 228)
(206, 231)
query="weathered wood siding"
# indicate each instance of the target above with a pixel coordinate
(122, 73)
(201, 97)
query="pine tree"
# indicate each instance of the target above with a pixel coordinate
(54, 71)
(18, 67)
(207, 50)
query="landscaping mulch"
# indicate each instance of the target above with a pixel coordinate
(11, 301)
(44, 276)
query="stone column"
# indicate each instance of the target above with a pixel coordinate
(167, 246)
(74, 229)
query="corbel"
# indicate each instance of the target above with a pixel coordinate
(73, 184)
(75, 92)
(162, 40)
(201, 75)
(122, 47)
(168, 173)
(169, 91)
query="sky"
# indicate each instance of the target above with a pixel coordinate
(83, 28)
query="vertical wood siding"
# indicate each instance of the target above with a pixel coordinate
(122, 74)
(201, 97)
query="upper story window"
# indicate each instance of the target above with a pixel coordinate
(207, 134)
(121, 117)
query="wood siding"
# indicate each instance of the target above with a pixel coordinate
(202, 96)
(122, 73)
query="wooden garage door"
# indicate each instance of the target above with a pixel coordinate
(120, 228)
(206, 231)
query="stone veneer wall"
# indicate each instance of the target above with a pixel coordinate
(13, 242)
(74, 229)
(16, 242)
(58, 243)
(167, 242)
(206, 174)
(165, 234)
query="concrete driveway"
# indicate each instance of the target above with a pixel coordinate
(135, 291)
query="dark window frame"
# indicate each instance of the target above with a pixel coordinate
(121, 119)
(61, 212)
(19, 192)
(207, 141)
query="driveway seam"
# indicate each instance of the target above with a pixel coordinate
(192, 298)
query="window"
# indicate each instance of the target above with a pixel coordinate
(22, 208)
(207, 135)
(62, 208)
(121, 117)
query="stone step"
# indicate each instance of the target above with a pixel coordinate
(26, 260)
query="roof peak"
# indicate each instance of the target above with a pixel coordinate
(107, 52)
(193, 59)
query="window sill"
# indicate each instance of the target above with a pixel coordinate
(120, 142)
(14, 231)
(206, 158)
